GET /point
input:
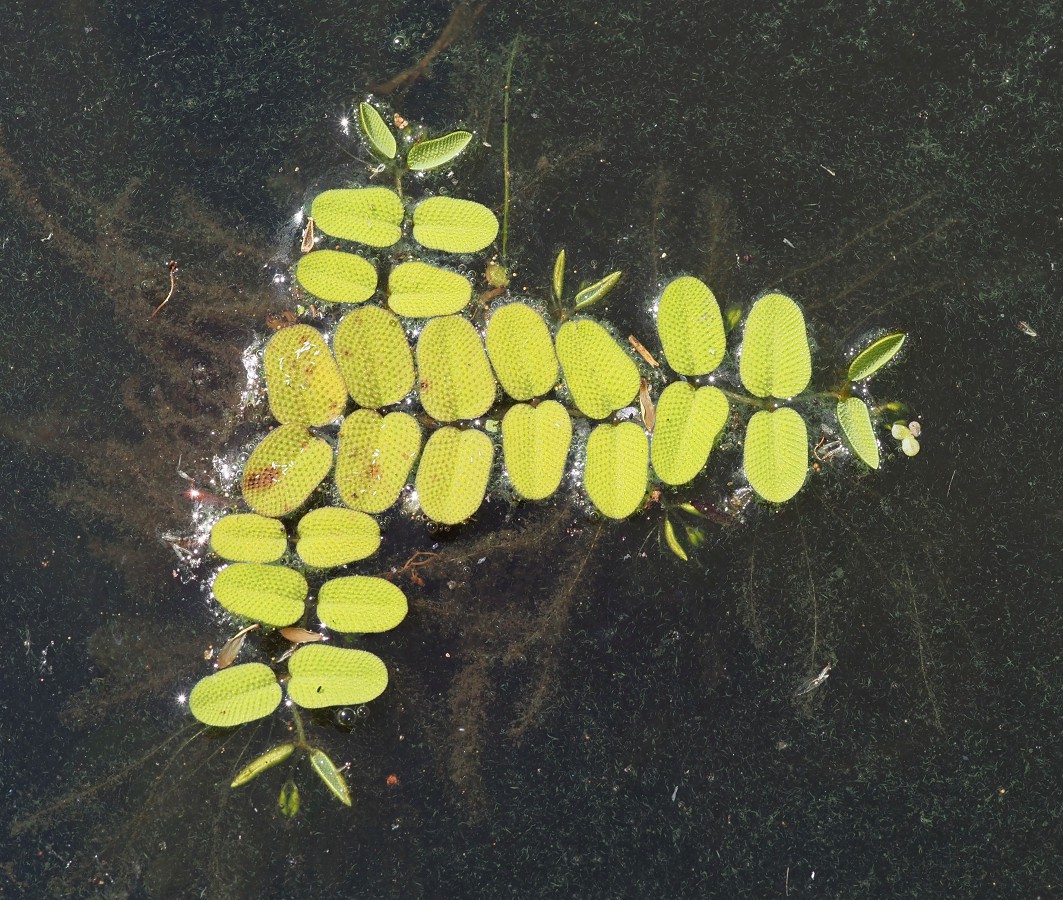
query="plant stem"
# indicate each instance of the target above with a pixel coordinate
(505, 149)
(299, 728)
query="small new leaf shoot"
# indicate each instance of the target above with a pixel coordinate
(266, 761)
(559, 274)
(673, 542)
(329, 774)
(377, 134)
(288, 801)
(592, 294)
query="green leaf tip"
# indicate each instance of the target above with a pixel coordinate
(869, 360)
(326, 770)
(257, 766)
(855, 421)
(595, 292)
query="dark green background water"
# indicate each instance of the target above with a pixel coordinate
(890, 165)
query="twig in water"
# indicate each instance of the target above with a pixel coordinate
(173, 287)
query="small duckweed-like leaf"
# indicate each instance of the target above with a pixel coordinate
(775, 360)
(376, 132)
(452, 476)
(236, 695)
(337, 277)
(288, 800)
(437, 152)
(284, 469)
(302, 380)
(456, 379)
(776, 454)
(371, 215)
(595, 292)
(617, 468)
(418, 290)
(375, 456)
(688, 422)
(248, 537)
(909, 445)
(855, 420)
(559, 274)
(374, 357)
(600, 375)
(273, 595)
(453, 226)
(328, 773)
(673, 542)
(875, 356)
(535, 442)
(331, 536)
(691, 327)
(521, 351)
(334, 676)
(267, 760)
(360, 604)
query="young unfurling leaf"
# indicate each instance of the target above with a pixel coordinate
(266, 761)
(329, 774)
(593, 293)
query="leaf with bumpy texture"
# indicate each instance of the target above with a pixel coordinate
(776, 454)
(418, 290)
(453, 226)
(237, 695)
(600, 375)
(855, 421)
(375, 456)
(437, 152)
(691, 327)
(617, 468)
(273, 595)
(303, 383)
(331, 536)
(521, 351)
(248, 537)
(456, 378)
(376, 132)
(334, 676)
(775, 360)
(688, 422)
(361, 604)
(535, 442)
(452, 477)
(875, 356)
(374, 356)
(337, 277)
(284, 469)
(371, 215)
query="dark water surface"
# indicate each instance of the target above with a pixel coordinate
(572, 711)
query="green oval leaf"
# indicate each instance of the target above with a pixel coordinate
(559, 274)
(595, 292)
(776, 454)
(855, 421)
(284, 469)
(332, 776)
(371, 215)
(376, 132)
(617, 468)
(437, 152)
(454, 226)
(248, 537)
(331, 536)
(235, 695)
(535, 442)
(691, 327)
(302, 380)
(600, 375)
(337, 277)
(452, 477)
(456, 379)
(273, 595)
(375, 456)
(334, 676)
(688, 422)
(288, 800)
(775, 360)
(418, 290)
(673, 541)
(360, 604)
(875, 356)
(374, 357)
(521, 351)
(267, 760)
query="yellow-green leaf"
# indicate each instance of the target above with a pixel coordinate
(688, 422)
(273, 595)
(600, 375)
(775, 360)
(371, 215)
(337, 277)
(559, 274)
(248, 537)
(855, 421)
(521, 351)
(334, 676)
(535, 442)
(452, 477)
(267, 760)
(332, 776)
(673, 541)
(360, 604)
(617, 466)
(288, 800)
(776, 454)
(302, 380)
(375, 456)
(284, 469)
(374, 357)
(454, 226)
(456, 379)
(418, 290)
(875, 356)
(595, 292)
(437, 152)
(331, 536)
(235, 695)
(376, 132)
(691, 327)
